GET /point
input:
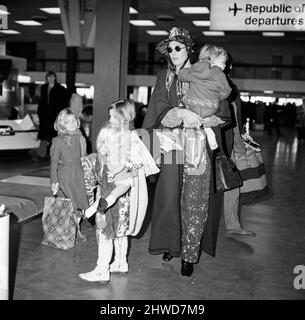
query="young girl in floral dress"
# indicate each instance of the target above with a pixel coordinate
(123, 162)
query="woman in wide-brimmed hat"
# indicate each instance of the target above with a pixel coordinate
(186, 210)
(180, 35)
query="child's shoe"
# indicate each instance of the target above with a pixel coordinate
(102, 205)
(124, 267)
(119, 267)
(96, 275)
(115, 266)
(120, 259)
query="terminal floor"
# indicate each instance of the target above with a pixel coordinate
(257, 268)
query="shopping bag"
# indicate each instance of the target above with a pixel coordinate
(59, 223)
(169, 140)
(252, 171)
(195, 146)
(227, 176)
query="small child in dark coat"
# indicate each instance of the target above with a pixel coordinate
(67, 175)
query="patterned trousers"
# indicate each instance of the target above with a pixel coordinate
(194, 211)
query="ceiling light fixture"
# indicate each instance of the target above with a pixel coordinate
(157, 32)
(28, 22)
(202, 23)
(9, 31)
(213, 33)
(194, 10)
(132, 10)
(273, 34)
(52, 10)
(54, 31)
(141, 23)
(268, 91)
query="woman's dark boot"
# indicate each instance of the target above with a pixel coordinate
(167, 256)
(187, 268)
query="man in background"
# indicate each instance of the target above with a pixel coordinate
(53, 98)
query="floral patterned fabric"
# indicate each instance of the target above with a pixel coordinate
(132, 160)
(88, 164)
(194, 211)
(115, 222)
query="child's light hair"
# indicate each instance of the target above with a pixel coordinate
(210, 52)
(59, 124)
(124, 109)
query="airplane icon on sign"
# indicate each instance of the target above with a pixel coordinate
(234, 9)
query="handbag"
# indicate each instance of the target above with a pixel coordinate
(226, 173)
(249, 161)
(252, 170)
(59, 223)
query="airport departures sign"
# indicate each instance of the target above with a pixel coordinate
(258, 15)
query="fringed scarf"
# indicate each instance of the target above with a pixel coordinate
(181, 87)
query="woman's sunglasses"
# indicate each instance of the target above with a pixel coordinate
(177, 49)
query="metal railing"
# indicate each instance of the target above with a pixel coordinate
(60, 65)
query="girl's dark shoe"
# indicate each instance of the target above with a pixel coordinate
(102, 205)
(187, 268)
(167, 256)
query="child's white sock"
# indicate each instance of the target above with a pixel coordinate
(110, 200)
(211, 138)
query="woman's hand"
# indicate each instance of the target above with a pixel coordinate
(55, 187)
(190, 119)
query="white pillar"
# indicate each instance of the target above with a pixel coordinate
(4, 256)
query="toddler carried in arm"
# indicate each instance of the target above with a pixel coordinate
(207, 86)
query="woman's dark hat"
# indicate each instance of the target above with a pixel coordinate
(176, 34)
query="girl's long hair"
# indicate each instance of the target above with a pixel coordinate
(124, 109)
